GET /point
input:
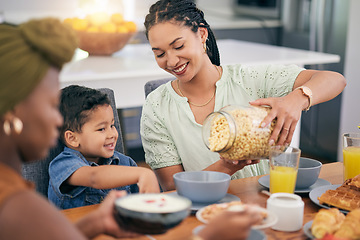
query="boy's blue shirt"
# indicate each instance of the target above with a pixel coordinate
(65, 164)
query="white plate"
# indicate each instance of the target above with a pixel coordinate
(269, 221)
(196, 206)
(265, 182)
(254, 233)
(317, 192)
(307, 230)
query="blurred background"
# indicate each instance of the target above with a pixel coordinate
(328, 26)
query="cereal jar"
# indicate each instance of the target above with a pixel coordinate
(235, 133)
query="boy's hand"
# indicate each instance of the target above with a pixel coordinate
(148, 182)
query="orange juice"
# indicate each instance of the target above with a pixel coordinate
(351, 162)
(282, 179)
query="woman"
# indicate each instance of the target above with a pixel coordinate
(185, 46)
(31, 56)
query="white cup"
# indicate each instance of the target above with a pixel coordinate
(289, 208)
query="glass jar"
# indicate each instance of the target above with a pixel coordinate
(235, 133)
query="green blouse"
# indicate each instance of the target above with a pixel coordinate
(170, 134)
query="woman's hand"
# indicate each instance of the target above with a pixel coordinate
(231, 225)
(240, 164)
(287, 113)
(105, 216)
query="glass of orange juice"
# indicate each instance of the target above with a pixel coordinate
(351, 155)
(284, 164)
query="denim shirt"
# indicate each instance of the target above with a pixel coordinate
(65, 164)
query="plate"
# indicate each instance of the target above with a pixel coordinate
(254, 233)
(307, 230)
(269, 221)
(196, 205)
(317, 192)
(265, 182)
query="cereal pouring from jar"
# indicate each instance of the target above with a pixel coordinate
(235, 132)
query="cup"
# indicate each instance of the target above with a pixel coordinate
(289, 208)
(351, 155)
(284, 164)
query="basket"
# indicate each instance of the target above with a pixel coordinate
(102, 43)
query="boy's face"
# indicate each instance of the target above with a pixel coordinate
(98, 135)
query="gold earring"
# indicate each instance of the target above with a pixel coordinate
(7, 128)
(204, 46)
(18, 125)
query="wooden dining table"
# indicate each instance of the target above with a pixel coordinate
(249, 191)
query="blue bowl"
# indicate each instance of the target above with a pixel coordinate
(202, 186)
(308, 172)
(151, 213)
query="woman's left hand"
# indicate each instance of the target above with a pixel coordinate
(287, 112)
(240, 164)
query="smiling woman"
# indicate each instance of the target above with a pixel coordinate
(171, 124)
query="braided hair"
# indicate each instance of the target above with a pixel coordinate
(182, 11)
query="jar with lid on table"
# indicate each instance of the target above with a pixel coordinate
(235, 132)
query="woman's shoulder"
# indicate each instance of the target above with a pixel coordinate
(159, 91)
(241, 72)
(11, 182)
(160, 98)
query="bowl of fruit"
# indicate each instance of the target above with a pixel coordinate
(101, 33)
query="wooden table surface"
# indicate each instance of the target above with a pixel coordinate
(249, 191)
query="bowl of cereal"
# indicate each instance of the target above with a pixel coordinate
(151, 213)
(235, 132)
(202, 186)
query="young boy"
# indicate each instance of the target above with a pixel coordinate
(89, 167)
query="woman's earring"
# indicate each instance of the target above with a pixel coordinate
(15, 124)
(18, 125)
(7, 128)
(204, 46)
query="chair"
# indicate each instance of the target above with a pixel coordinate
(154, 84)
(37, 172)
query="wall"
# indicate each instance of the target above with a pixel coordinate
(350, 110)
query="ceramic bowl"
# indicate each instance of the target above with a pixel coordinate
(202, 186)
(308, 172)
(151, 213)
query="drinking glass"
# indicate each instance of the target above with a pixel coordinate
(284, 164)
(351, 155)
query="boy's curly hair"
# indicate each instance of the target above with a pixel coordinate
(76, 104)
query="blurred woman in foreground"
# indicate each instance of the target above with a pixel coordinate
(31, 56)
